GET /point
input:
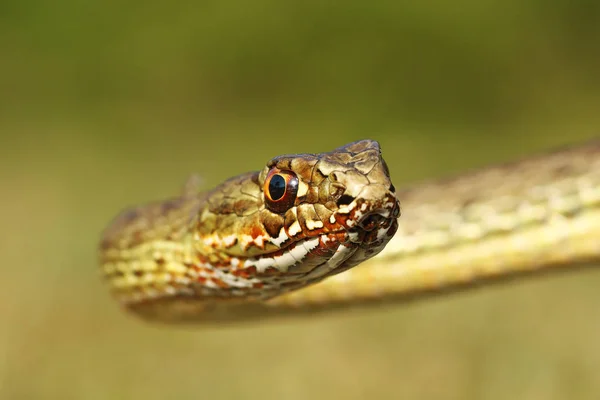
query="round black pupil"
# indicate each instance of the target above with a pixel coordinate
(277, 187)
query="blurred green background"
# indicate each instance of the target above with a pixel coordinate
(106, 104)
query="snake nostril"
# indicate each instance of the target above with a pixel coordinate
(344, 200)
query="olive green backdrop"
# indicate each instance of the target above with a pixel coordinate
(105, 104)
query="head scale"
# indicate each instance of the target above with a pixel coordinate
(302, 218)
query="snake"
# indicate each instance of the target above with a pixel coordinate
(314, 232)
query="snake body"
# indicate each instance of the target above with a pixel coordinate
(275, 242)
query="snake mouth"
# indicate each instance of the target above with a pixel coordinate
(336, 250)
(314, 258)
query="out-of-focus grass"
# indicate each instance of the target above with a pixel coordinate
(108, 104)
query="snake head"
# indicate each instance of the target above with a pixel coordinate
(303, 217)
(346, 190)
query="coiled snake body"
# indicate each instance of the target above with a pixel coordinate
(288, 239)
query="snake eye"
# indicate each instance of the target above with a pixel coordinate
(280, 190)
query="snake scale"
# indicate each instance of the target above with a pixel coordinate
(288, 239)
